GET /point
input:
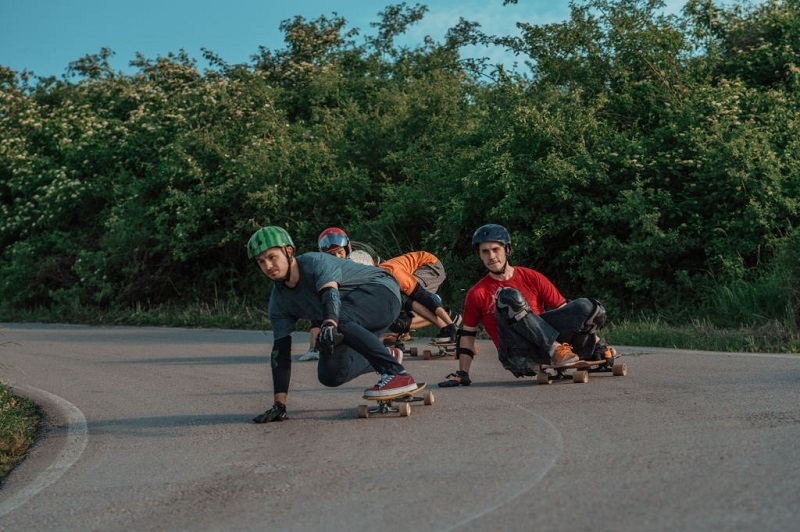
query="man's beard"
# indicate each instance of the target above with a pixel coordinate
(502, 270)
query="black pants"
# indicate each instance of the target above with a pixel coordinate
(365, 313)
(526, 342)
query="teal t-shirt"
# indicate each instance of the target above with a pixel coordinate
(287, 305)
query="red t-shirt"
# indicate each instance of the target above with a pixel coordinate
(537, 289)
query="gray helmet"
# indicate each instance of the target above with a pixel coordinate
(491, 233)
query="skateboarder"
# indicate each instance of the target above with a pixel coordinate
(333, 241)
(353, 303)
(525, 315)
(410, 269)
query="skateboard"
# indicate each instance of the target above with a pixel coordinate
(579, 373)
(404, 399)
(442, 350)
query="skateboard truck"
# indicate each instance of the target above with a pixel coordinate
(404, 400)
(442, 350)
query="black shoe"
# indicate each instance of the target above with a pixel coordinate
(276, 413)
(459, 378)
(446, 336)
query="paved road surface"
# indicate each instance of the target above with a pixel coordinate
(149, 429)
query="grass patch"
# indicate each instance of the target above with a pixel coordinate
(19, 424)
(771, 337)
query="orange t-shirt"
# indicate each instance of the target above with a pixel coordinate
(403, 267)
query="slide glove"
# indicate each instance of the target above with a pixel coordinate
(459, 378)
(276, 413)
(329, 337)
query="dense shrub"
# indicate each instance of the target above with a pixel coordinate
(645, 159)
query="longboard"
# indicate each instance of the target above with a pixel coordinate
(405, 399)
(442, 350)
(579, 372)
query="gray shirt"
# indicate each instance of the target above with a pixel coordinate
(287, 305)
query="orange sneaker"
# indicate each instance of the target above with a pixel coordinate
(563, 357)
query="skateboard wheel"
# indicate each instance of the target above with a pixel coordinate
(580, 375)
(542, 377)
(413, 351)
(428, 398)
(620, 370)
(405, 409)
(363, 411)
(426, 354)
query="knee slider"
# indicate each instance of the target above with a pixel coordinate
(402, 324)
(510, 304)
(597, 317)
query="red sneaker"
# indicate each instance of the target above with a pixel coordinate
(391, 385)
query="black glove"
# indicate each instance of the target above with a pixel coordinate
(459, 378)
(276, 413)
(329, 337)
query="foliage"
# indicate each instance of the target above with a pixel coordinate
(648, 160)
(19, 422)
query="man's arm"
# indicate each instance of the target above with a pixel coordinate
(465, 350)
(281, 363)
(466, 343)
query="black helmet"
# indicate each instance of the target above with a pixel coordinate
(491, 233)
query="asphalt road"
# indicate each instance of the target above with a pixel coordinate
(150, 429)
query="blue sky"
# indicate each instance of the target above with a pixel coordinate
(44, 36)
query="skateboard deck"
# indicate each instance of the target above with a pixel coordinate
(442, 350)
(404, 399)
(579, 372)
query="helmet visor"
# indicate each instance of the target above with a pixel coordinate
(332, 241)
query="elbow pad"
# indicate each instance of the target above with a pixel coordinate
(464, 350)
(330, 304)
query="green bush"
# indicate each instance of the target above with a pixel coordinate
(647, 160)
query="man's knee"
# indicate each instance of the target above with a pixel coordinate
(584, 341)
(595, 314)
(510, 305)
(332, 371)
(329, 381)
(332, 379)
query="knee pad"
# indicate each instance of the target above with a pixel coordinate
(402, 324)
(596, 319)
(585, 341)
(510, 304)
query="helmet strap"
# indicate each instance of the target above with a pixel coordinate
(290, 260)
(502, 270)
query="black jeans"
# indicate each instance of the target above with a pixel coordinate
(365, 313)
(531, 337)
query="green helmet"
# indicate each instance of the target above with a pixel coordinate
(267, 237)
